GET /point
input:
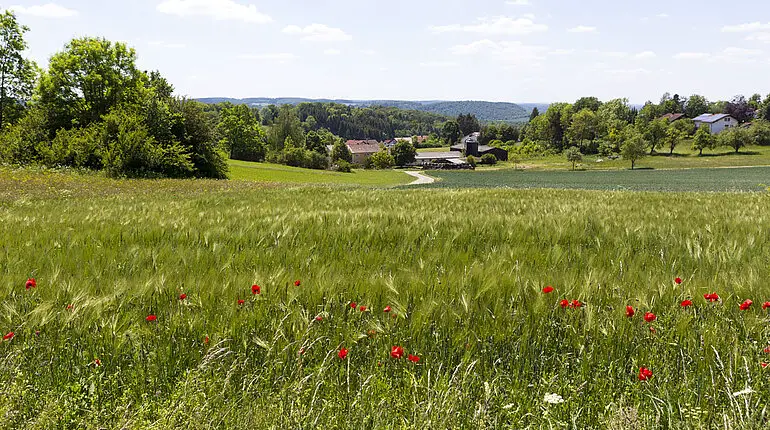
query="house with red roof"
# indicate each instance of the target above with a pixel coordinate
(362, 149)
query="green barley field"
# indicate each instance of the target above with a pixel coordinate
(462, 272)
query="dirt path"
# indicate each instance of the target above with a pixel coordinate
(421, 179)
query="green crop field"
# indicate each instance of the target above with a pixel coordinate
(276, 173)
(143, 315)
(723, 179)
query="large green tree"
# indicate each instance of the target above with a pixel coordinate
(242, 134)
(736, 138)
(634, 148)
(696, 105)
(451, 132)
(88, 79)
(583, 127)
(286, 124)
(17, 74)
(404, 153)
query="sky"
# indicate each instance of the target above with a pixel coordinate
(496, 50)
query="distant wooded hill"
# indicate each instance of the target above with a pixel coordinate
(484, 111)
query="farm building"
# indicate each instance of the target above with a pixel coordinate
(470, 146)
(716, 123)
(441, 160)
(362, 149)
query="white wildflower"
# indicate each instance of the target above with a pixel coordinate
(553, 399)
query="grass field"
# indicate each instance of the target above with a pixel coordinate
(683, 158)
(723, 179)
(462, 271)
(276, 173)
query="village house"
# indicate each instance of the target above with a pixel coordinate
(362, 149)
(716, 123)
(671, 117)
(470, 146)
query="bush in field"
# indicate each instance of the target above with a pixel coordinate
(471, 161)
(343, 166)
(241, 134)
(382, 160)
(317, 161)
(78, 147)
(21, 142)
(573, 155)
(760, 132)
(489, 159)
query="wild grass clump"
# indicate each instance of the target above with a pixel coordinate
(462, 271)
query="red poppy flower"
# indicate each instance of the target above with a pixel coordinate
(575, 304)
(548, 290)
(241, 302)
(302, 351)
(564, 304)
(746, 305)
(206, 340)
(765, 305)
(151, 318)
(69, 307)
(686, 303)
(297, 283)
(387, 309)
(645, 374)
(650, 317)
(256, 289)
(413, 358)
(767, 350)
(764, 365)
(678, 281)
(397, 352)
(31, 283)
(362, 308)
(713, 297)
(342, 354)
(319, 318)
(183, 296)
(9, 336)
(97, 362)
(353, 305)
(630, 311)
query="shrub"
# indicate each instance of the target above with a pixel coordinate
(382, 160)
(489, 159)
(343, 166)
(472, 161)
(80, 148)
(19, 144)
(295, 156)
(315, 160)
(404, 153)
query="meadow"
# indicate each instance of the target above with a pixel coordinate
(678, 180)
(144, 312)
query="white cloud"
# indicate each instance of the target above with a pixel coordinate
(745, 28)
(561, 52)
(662, 15)
(518, 2)
(741, 52)
(223, 10)
(369, 52)
(332, 52)
(628, 72)
(645, 55)
(278, 57)
(167, 45)
(48, 10)
(510, 53)
(691, 56)
(582, 29)
(495, 25)
(318, 33)
(438, 64)
(759, 37)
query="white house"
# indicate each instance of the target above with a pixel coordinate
(716, 123)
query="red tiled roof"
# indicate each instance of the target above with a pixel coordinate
(672, 116)
(363, 146)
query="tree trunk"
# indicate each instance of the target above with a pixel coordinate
(701, 153)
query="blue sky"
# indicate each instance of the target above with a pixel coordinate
(498, 50)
